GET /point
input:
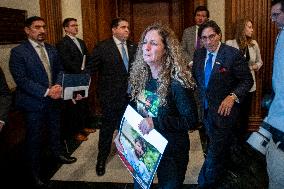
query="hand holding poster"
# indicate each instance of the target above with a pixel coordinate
(141, 154)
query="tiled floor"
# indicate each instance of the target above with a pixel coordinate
(246, 171)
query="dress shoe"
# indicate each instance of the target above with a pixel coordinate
(101, 168)
(66, 160)
(89, 130)
(37, 183)
(80, 137)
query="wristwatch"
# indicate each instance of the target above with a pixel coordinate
(234, 96)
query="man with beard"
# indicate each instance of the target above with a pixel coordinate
(36, 70)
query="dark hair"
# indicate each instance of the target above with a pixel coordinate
(29, 21)
(209, 24)
(202, 8)
(115, 22)
(142, 143)
(243, 40)
(67, 20)
(274, 2)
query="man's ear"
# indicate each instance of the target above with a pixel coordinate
(26, 29)
(113, 30)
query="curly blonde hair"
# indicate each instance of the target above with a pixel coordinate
(243, 40)
(174, 65)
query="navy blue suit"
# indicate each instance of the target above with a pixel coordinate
(230, 74)
(112, 88)
(32, 84)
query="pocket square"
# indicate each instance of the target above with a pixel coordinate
(222, 70)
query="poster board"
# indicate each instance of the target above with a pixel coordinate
(141, 160)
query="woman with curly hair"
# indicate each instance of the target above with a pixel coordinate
(162, 88)
(248, 46)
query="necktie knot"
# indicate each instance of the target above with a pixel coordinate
(208, 69)
(210, 55)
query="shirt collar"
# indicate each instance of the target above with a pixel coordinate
(216, 51)
(117, 41)
(35, 44)
(72, 37)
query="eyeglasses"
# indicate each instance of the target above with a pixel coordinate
(210, 37)
(73, 25)
(275, 15)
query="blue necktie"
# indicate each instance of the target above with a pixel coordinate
(207, 73)
(208, 69)
(124, 56)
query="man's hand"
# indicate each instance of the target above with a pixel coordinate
(55, 92)
(78, 97)
(226, 106)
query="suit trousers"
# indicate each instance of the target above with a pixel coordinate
(37, 123)
(112, 114)
(218, 151)
(75, 117)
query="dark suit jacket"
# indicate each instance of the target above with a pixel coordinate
(230, 74)
(113, 77)
(5, 97)
(31, 77)
(70, 56)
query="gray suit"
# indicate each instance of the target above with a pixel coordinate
(188, 41)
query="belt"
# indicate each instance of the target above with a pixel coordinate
(277, 135)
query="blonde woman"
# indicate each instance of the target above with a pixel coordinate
(249, 47)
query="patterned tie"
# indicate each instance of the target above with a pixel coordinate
(207, 73)
(45, 62)
(124, 56)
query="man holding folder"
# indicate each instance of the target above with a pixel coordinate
(73, 53)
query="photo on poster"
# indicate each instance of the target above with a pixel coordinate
(141, 154)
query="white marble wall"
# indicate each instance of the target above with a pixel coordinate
(217, 13)
(72, 8)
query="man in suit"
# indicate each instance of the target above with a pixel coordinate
(5, 100)
(190, 40)
(71, 52)
(112, 59)
(36, 70)
(223, 79)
